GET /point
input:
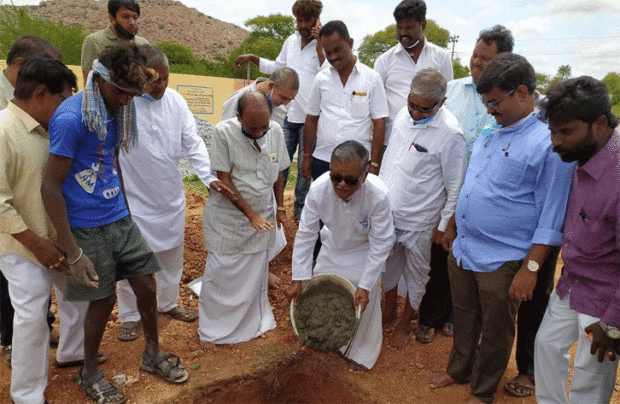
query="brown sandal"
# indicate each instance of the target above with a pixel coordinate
(128, 331)
(179, 313)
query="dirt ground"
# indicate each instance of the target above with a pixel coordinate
(263, 370)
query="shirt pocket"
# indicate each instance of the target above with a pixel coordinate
(268, 167)
(360, 105)
(510, 173)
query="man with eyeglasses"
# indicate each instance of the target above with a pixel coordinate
(248, 155)
(423, 168)
(509, 213)
(357, 238)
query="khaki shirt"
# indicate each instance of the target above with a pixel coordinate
(25, 145)
(96, 42)
(6, 91)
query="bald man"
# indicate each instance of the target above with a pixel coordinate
(248, 155)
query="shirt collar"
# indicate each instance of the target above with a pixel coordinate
(5, 86)
(598, 164)
(109, 32)
(29, 122)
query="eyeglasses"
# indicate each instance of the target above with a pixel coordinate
(350, 181)
(493, 104)
(422, 109)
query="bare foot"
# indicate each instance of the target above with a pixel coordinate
(264, 335)
(274, 281)
(208, 346)
(440, 380)
(474, 400)
(400, 338)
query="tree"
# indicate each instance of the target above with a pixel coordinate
(564, 72)
(542, 82)
(460, 70)
(276, 26)
(15, 22)
(612, 80)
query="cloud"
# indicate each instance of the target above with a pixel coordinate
(597, 60)
(585, 7)
(529, 26)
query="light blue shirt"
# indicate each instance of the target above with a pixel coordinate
(466, 104)
(515, 194)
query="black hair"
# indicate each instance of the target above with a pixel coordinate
(583, 98)
(410, 9)
(500, 35)
(309, 9)
(43, 70)
(335, 26)
(115, 5)
(29, 45)
(127, 66)
(507, 72)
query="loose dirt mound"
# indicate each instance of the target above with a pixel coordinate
(302, 379)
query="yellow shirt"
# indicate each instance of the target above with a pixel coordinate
(24, 145)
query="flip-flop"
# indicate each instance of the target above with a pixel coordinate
(179, 313)
(518, 389)
(101, 358)
(128, 331)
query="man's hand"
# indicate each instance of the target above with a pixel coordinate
(601, 343)
(306, 168)
(281, 219)
(260, 224)
(293, 292)
(243, 59)
(437, 237)
(361, 298)
(373, 170)
(84, 272)
(223, 189)
(51, 256)
(448, 238)
(523, 284)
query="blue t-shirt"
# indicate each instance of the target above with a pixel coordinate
(92, 189)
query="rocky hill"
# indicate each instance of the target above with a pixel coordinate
(161, 20)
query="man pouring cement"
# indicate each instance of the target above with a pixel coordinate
(357, 236)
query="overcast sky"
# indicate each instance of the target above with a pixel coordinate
(584, 34)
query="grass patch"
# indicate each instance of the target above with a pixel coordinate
(292, 176)
(193, 183)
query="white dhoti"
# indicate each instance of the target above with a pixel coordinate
(409, 264)
(234, 306)
(29, 289)
(593, 381)
(171, 263)
(366, 344)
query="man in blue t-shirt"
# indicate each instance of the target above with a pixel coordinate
(82, 193)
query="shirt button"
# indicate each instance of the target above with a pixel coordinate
(466, 195)
(462, 236)
(463, 216)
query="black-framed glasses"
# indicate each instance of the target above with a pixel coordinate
(493, 104)
(350, 181)
(422, 109)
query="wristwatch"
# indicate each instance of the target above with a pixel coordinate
(533, 266)
(612, 332)
(374, 164)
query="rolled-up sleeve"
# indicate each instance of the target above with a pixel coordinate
(378, 99)
(551, 199)
(10, 221)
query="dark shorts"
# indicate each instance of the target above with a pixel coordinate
(117, 251)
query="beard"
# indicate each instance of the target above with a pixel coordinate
(123, 33)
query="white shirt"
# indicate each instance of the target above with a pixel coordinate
(357, 235)
(229, 108)
(6, 91)
(345, 112)
(424, 187)
(305, 62)
(397, 69)
(151, 176)
(253, 173)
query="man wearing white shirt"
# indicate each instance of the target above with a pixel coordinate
(424, 167)
(303, 53)
(347, 102)
(152, 181)
(357, 238)
(399, 64)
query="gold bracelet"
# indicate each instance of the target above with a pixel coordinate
(374, 164)
(281, 209)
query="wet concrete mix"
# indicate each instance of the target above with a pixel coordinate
(325, 317)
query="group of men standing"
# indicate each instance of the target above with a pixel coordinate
(453, 193)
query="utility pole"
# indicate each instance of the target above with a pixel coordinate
(453, 39)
